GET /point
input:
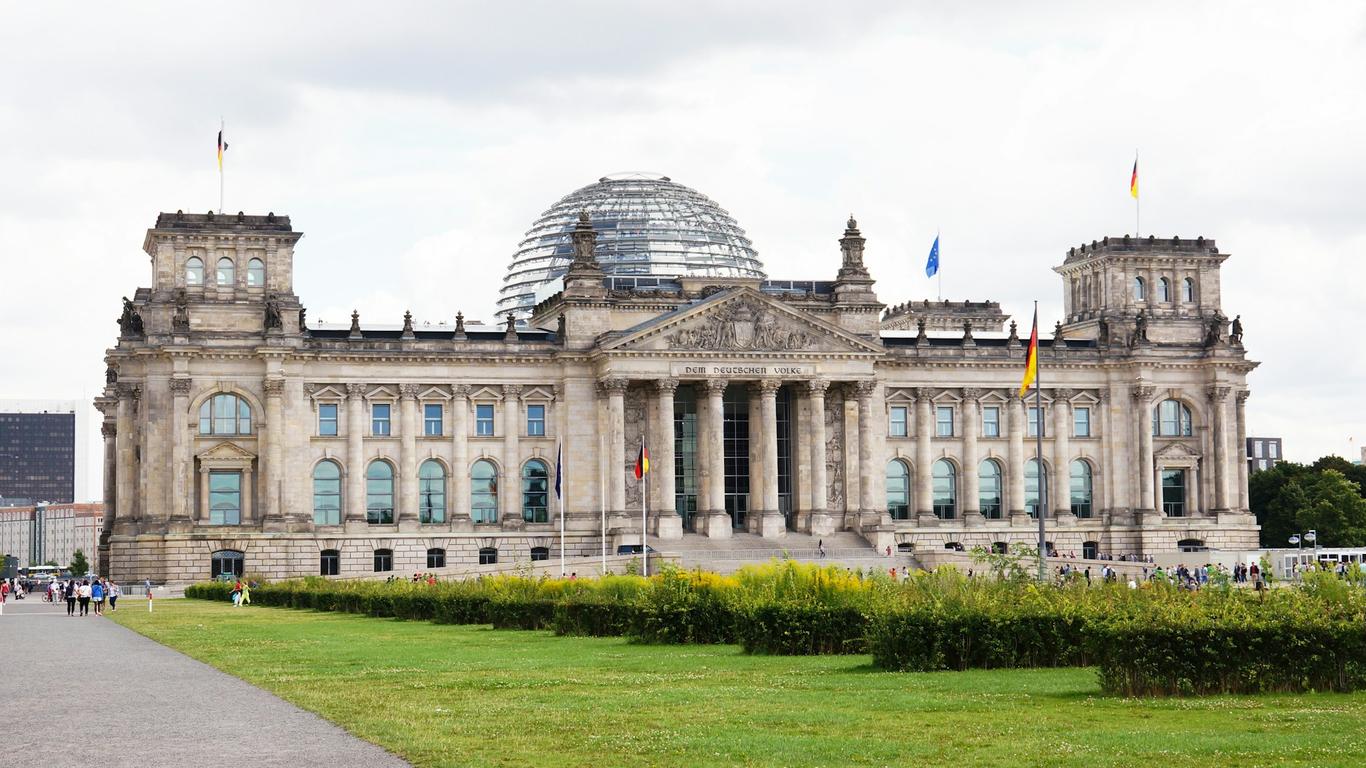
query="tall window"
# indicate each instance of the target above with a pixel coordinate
(379, 419)
(384, 560)
(1140, 289)
(431, 492)
(1081, 488)
(1164, 290)
(1032, 483)
(898, 490)
(484, 492)
(943, 421)
(379, 493)
(535, 420)
(945, 490)
(483, 420)
(1188, 290)
(1171, 418)
(226, 273)
(488, 555)
(327, 419)
(225, 498)
(535, 492)
(540, 553)
(194, 271)
(1035, 424)
(327, 493)
(685, 454)
(225, 415)
(329, 562)
(1081, 422)
(431, 419)
(436, 558)
(989, 489)
(991, 421)
(1174, 492)
(226, 562)
(897, 425)
(256, 273)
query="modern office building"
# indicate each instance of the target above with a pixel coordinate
(239, 438)
(42, 533)
(43, 451)
(1263, 453)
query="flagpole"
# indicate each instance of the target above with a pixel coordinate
(1138, 203)
(1040, 475)
(644, 518)
(220, 165)
(939, 269)
(602, 498)
(559, 498)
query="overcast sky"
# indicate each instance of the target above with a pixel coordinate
(414, 143)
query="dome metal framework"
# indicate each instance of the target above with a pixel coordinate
(647, 225)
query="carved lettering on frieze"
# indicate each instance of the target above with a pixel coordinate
(741, 325)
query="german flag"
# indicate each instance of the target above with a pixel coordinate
(1133, 180)
(222, 147)
(642, 460)
(1032, 358)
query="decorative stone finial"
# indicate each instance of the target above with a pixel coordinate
(1014, 339)
(851, 248)
(408, 325)
(511, 333)
(355, 325)
(920, 337)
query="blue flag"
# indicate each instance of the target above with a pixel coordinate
(932, 263)
(559, 452)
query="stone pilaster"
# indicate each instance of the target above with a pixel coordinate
(924, 475)
(1218, 407)
(821, 522)
(407, 517)
(181, 460)
(510, 487)
(615, 389)
(273, 461)
(971, 500)
(1143, 416)
(1062, 447)
(1015, 473)
(1241, 415)
(668, 523)
(460, 457)
(771, 522)
(712, 462)
(355, 458)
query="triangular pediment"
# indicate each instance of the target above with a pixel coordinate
(740, 321)
(1176, 451)
(226, 451)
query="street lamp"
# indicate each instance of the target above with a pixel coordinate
(1295, 539)
(1313, 537)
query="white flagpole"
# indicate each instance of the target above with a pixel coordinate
(939, 265)
(559, 499)
(644, 518)
(220, 165)
(602, 498)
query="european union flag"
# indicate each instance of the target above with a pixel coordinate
(932, 263)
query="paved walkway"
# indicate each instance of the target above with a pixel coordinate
(87, 692)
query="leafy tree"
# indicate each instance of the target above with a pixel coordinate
(1275, 514)
(79, 566)
(1333, 506)
(1353, 472)
(52, 563)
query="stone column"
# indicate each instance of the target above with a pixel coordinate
(971, 500)
(273, 462)
(510, 487)
(249, 516)
(616, 444)
(355, 457)
(758, 475)
(821, 523)
(924, 476)
(1107, 473)
(1218, 406)
(109, 431)
(460, 456)
(1143, 413)
(1241, 404)
(203, 517)
(406, 514)
(125, 523)
(771, 522)
(1062, 467)
(713, 461)
(668, 523)
(182, 462)
(1015, 473)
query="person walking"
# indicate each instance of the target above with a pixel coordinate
(97, 596)
(83, 597)
(245, 598)
(70, 592)
(115, 592)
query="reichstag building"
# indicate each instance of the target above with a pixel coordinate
(238, 437)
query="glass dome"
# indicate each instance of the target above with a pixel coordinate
(645, 224)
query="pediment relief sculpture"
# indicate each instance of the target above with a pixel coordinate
(742, 325)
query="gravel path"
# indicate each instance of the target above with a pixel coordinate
(87, 692)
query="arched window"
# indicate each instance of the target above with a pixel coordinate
(484, 492)
(384, 560)
(540, 553)
(327, 493)
(945, 490)
(436, 558)
(1081, 488)
(225, 414)
(226, 562)
(989, 489)
(488, 555)
(379, 493)
(1140, 289)
(329, 562)
(431, 492)
(1191, 545)
(535, 492)
(256, 273)
(898, 489)
(194, 271)
(1164, 290)
(227, 273)
(1032, 486)
(1171, 418)
(1188, 290)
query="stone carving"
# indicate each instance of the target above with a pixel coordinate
(111, 375)
(1143, 393)
(561, 328)
(817, 387)
(741, 325)
(666, 385)
(130, 322)
(273, 319)
(967, 331)
(1236, 335)
(834, 452)
(1014, 338)
(862, 389)
(274, 387)
(610, 385)
(715, 386)
(512, 391)
(356, 390)
(510, 334)
(180, 387)
(408, 325)
(131, 391)
(1103, 331)
(303, 318)
(355, 325)
(1217, 393)
(1214, 332)
(1242, 396)
(971, 393)
(180, 319)
(108, 430)
(634, 408)
(1063, 393)
(460, 326)
(920, 336)
(408, 391)
(460, 391)
(1140, 329)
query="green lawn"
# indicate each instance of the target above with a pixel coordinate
(442, 695)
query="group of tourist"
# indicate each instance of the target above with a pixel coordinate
(81, 595)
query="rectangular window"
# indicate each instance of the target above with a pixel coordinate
(1257, 449)
(225, 498)
(431, 419)
(327, 419)
(384, 560)
(1272, 450)
(483, 420)
(943, 421)
(991, 421)
(379, 420)
(329, 563)
(1174, 492)
(535, 420)
(1035, 423)
(1081, 422)
(897, 427)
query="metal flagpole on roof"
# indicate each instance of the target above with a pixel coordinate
(1038, 451)
(559, 498)
(602, 498)
(644, 517)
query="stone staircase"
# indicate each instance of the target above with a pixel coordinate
(844, 549)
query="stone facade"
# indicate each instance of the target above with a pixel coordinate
(232, 427)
